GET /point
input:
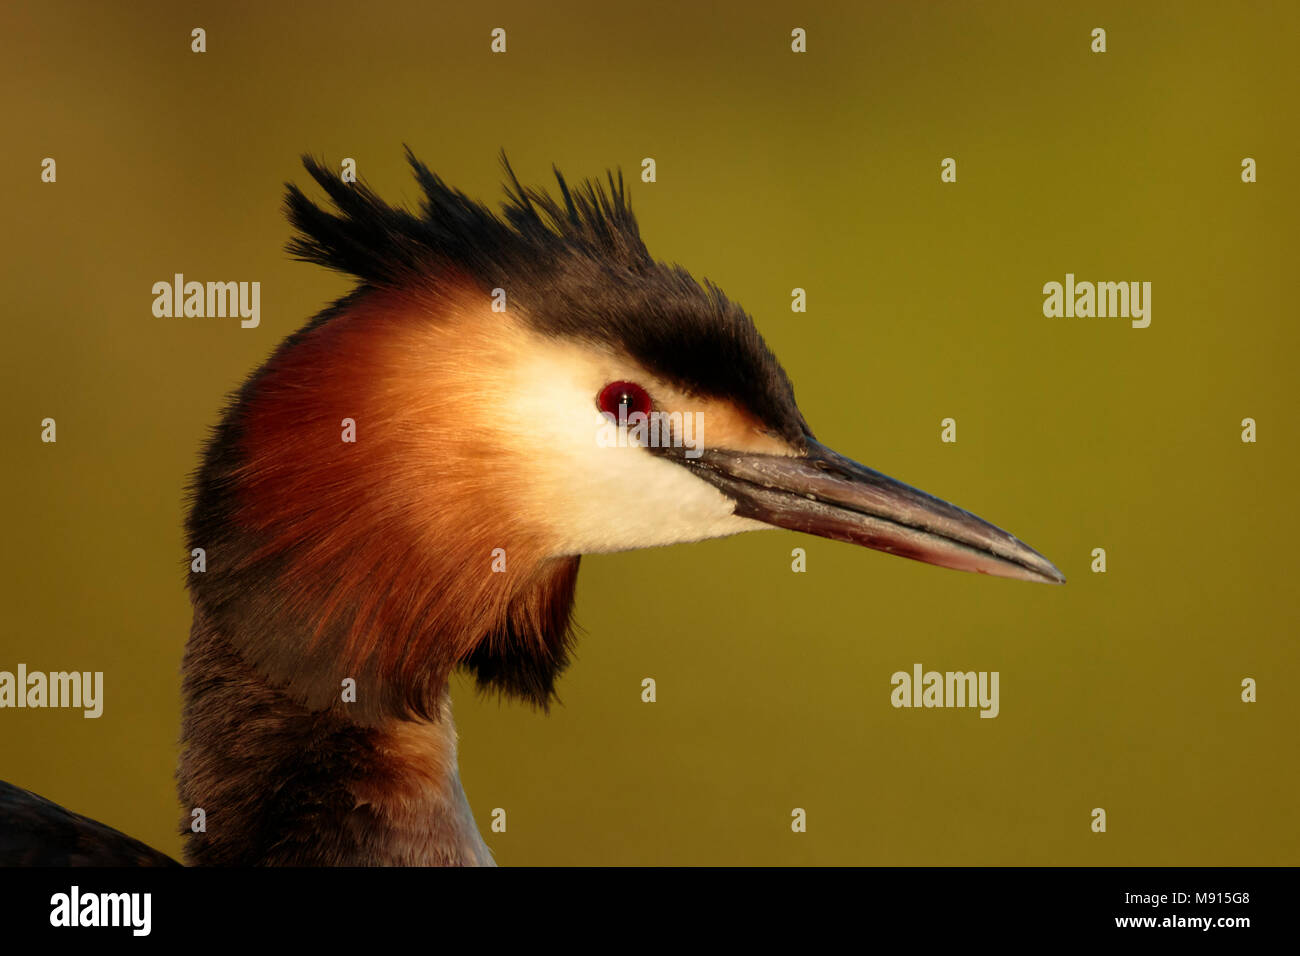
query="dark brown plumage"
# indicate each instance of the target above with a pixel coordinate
(37, 832)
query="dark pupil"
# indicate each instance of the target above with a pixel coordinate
(623, 399)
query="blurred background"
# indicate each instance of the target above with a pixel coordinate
(775, 170)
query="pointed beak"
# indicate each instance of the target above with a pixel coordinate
(826, 494)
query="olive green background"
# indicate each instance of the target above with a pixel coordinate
(775, 170)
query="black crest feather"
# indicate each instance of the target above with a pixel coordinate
(382, 245)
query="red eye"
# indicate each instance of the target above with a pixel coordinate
(622, 399)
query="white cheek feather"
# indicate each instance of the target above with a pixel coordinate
(592, 498)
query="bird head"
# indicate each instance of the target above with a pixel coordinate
(407, 484)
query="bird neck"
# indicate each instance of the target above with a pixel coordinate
(280, 784)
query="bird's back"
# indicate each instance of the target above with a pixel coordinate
(36, 832)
